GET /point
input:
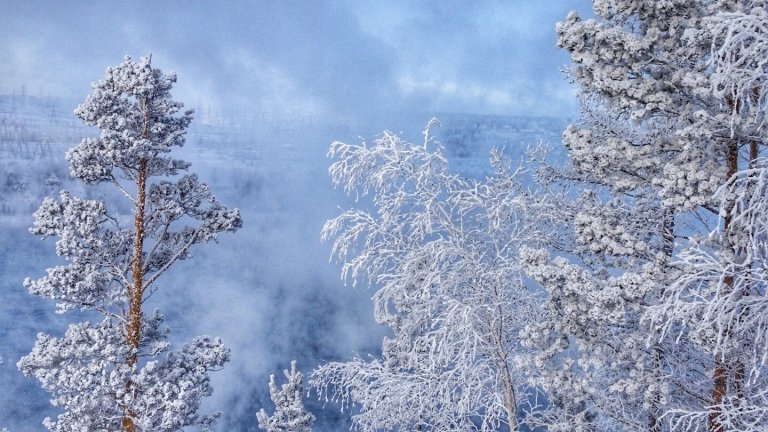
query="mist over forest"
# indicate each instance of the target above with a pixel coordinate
(268, 291)
(384, 216)
(268, 102)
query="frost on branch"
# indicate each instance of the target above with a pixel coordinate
(442, 253)
(718, 299)
(673, 99)
(132, 107)
(740, 57)
(290, 414)
(120, 374)
(85, 372)
(92, 249)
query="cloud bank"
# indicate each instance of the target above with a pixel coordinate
(359, 62)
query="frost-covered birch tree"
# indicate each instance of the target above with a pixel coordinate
(441, 252)
(118, 372)
(644, 331)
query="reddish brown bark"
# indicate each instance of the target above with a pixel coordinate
(136, 291)
(718, 394)
(720, 375)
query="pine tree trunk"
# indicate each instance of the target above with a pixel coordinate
(654, 425)
(668, 246)
(718, 395)
(740, 369)
(136, 292)
(720, 375)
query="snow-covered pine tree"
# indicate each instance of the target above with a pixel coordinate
(644, 331)
(717, 299)
(119, 373)
(290, 414)
(442, 253)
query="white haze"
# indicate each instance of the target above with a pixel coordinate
(323, 72)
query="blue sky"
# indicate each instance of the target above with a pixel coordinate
(352, 60)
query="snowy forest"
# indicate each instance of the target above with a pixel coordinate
(605, 271)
